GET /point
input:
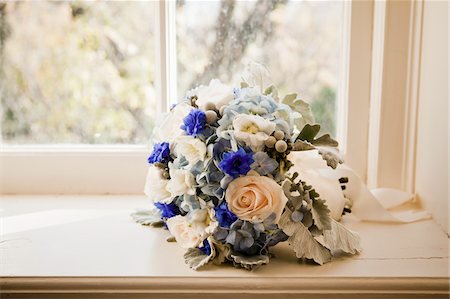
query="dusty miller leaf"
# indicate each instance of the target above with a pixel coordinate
(330, 155)
(301, 145)
(301, 240)
(271, 91)
(223, 252)
(195, 258)
(289, 188)
(249, 262)
(148, 217)
(325, 140)
(301, 107)
(321, 214)
(341, 238)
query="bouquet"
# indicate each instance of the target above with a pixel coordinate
(223, 182)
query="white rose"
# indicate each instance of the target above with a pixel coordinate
(155, 186)
(192, 229)
(313, 170)
(253, 130)
(181, 182)
(216, 93)
(193, 149)
(254, 198)
(170, 127)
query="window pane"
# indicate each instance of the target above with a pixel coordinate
(76, 72)
(299, 41)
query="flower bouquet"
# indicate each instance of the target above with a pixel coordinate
(223, 182)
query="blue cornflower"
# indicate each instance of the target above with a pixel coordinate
(224, 216)
(194, 122)
(236, 163)
(168, 210)
(161, 153)
(206, 248)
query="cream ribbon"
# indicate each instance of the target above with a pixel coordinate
(368, 205)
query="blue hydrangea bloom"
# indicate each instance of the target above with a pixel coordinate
(167, 210)
(224, 216)
(263, 163)
(194, 123)
(206, 248)
(161, 153)
(236, 163)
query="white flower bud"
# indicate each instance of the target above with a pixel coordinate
(279, 135)
(211, 116)
(270, 142)
(281, 146)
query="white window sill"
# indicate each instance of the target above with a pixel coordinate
(88, 245)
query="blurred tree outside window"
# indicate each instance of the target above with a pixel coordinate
(76, 72)
(299, 42)
(83, 72)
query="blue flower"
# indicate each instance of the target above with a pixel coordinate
(263, 163)
(168, 210)
(224, 216)
(236, 163)
(161, 153)
(206, 248)
(194, 122)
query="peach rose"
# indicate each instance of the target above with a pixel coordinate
(254, 198)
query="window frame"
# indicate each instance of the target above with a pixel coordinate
(120, 169)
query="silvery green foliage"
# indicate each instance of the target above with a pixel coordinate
(148, 217)
(195, 258)
(302, 241)
(302, 111)
(249, 262)
(303, 201)
(330, 155)
(223, 252)
(326, 145)
(321, 214)
(306, 205)
(310, 202)
(340, 238)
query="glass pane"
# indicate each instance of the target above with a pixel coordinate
(76, 72)
(299, 41)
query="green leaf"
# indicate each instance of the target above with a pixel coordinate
(249, 262)
(195, 258)
(244, 85)
(341, 238)
(302, 241)
(321, 214)
(148, 217)
(309, 133)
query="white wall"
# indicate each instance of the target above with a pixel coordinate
(432, 156)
